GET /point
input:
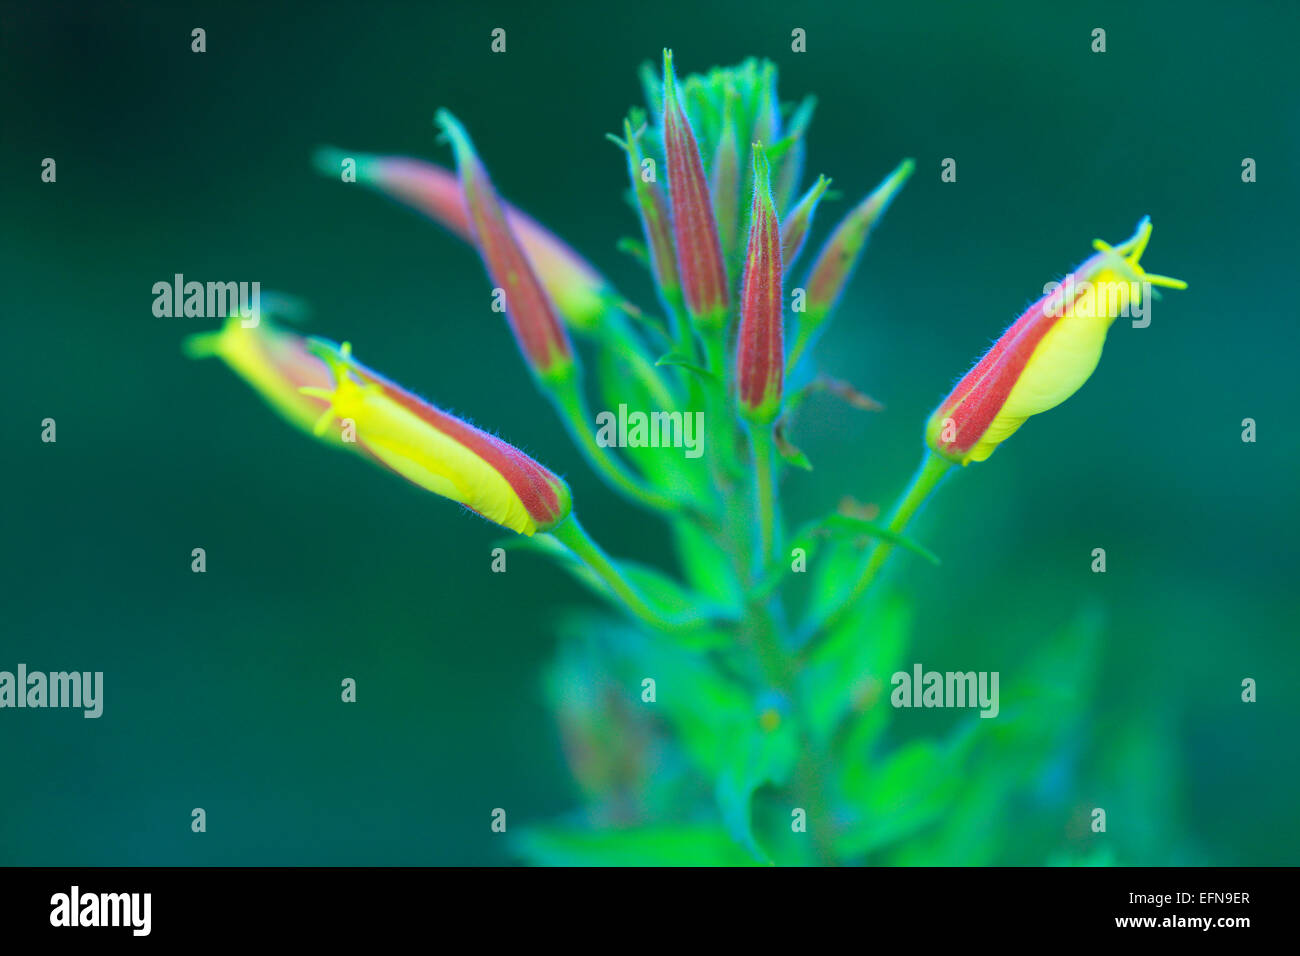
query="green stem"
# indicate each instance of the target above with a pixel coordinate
(574, 537)
(567, 394)
(931, 471)
(718, 408)
(760, 437)
(630, 347)
(796, 353)
(811, 783)
(681, 320)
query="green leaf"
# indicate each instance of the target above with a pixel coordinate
(619, 385)
(686, 362)
(698, 845)
(843, 525)
(704, 707)
(787, 450)
(659, 589)
(755, 757)
(839, 561)
(1025, 750)
(851, 671)
(635, 249)
(894, 800)
(707, 566)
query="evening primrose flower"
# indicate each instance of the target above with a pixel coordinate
(435, 450)
(580, 293)
(1039, 362)
(1046, 355)
(275, 362)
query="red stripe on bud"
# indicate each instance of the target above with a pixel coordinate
(699, 254)
(760, 349)
(539, 332)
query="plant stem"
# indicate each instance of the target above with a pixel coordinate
(630, 347)
(574, 537)
(931, 471)
(760, 437)
(568, 398)
(718, 406)
(681, 320)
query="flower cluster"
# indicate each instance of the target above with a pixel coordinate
(716, 168)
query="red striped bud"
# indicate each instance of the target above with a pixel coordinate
(580, 292)
(837, 259)
(437, 451)
(1046, 355)
(699, 254)
(537, 329)
(760, 348)
(655, 220)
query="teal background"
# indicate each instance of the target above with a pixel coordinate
(222, 689)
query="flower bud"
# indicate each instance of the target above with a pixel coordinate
(532, 317)
(438, 451)
(725, 182)
(794, 229)
(835, 263)
(699, 254)
(1046, 355)
(580, 293)
(760, 348)
(276, 363)
(655, 220)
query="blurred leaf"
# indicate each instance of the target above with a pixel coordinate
(756, 757)
(836, 567)
(898, 797)
(706, 566)
(661, 590)
(604, 731)
(633, 247)
(704, 707)
(845, 526)
(833, 540)
(1018, 776)
(699, 845)
(973, 831)
(619, 385)
(851, 669)
(1049, 698)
